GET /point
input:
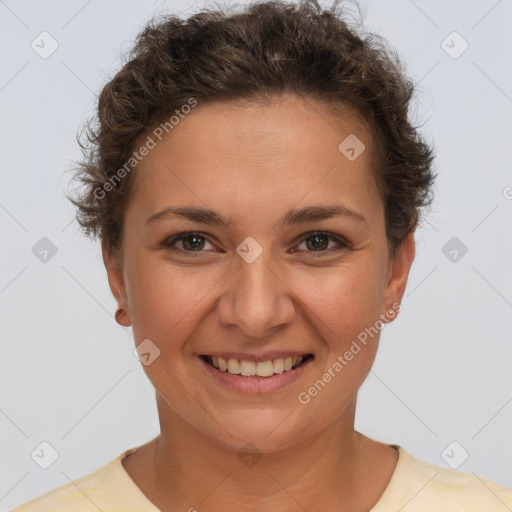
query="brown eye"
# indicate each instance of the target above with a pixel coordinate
(319, 242)
(194, 242)
(190, 242)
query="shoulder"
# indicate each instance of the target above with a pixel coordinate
(423, 486)
(108, 489)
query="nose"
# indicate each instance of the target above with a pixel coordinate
(257, 301)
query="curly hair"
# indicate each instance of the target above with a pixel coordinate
(267, 49)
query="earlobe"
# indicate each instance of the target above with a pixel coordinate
(122, 318)
(398, 275)
(117, 286)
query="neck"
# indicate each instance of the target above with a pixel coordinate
(335, 469)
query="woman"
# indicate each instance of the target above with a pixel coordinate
(256, 185)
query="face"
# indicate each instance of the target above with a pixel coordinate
(263, 273)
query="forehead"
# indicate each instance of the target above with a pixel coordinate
(259, 151)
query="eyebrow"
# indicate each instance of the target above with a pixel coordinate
(297, 216)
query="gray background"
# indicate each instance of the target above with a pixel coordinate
(68, 374)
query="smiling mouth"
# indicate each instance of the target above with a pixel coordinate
(259, 368)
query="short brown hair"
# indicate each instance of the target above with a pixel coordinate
(267, 49)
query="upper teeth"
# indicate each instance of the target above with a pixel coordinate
(260, 368)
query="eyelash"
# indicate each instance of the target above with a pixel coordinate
(169, 242)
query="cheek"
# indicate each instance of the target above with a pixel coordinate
(344, 300)
(164, 300)
(344, 306)
(168, 301)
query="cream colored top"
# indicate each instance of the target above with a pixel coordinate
(415, 486)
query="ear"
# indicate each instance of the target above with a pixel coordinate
(398, 273)
(114, 267)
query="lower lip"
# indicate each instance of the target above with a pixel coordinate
(256, 385)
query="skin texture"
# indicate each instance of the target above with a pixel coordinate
(252, 164)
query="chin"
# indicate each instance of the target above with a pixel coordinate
(266, 431)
